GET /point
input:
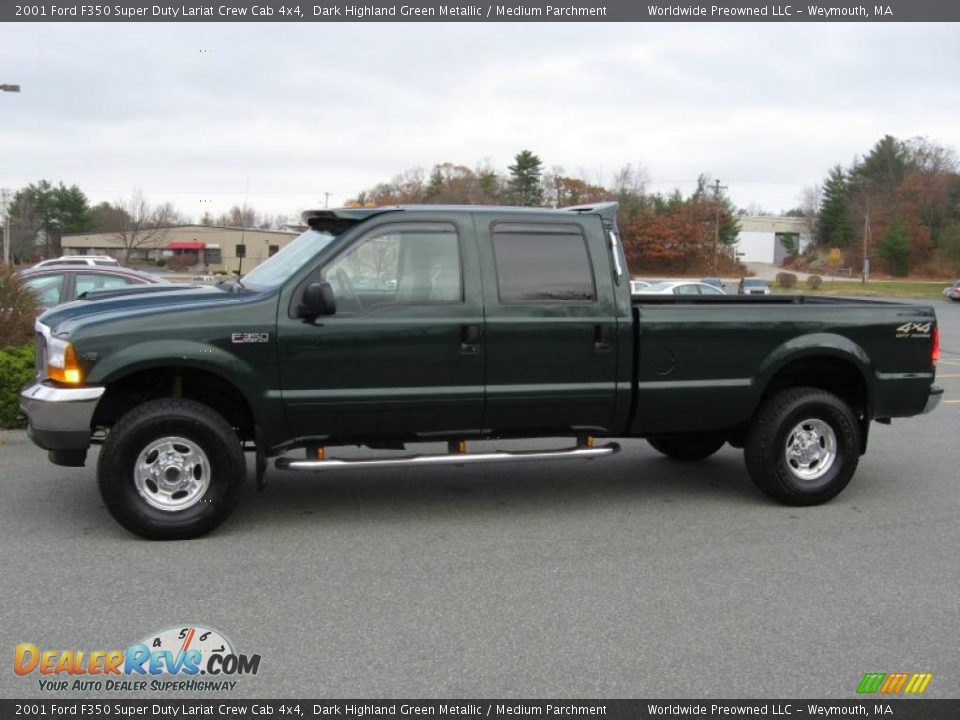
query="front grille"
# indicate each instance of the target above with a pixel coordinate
(41, 355)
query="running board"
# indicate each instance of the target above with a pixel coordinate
(583, 453)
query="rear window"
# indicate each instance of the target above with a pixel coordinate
(542, 263)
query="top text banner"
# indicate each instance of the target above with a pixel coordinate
(466, 11)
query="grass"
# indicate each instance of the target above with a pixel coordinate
(877, 288)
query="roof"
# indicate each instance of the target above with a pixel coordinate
(341, 218)
(190, 225)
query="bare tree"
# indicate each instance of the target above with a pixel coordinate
(138, 224)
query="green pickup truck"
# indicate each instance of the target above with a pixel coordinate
(386, 327)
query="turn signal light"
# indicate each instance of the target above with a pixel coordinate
(935, 353)
(70, 372)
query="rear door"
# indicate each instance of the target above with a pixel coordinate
(551, 324)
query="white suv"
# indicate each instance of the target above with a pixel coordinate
(80, 260)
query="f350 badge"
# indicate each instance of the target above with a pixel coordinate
(914, 330)
(242, 338)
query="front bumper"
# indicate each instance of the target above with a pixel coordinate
(59, 418)
(936, 395)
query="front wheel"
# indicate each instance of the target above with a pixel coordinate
(688, 447)
(803, 446)
(171, 470)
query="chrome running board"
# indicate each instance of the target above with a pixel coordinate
(579, 452)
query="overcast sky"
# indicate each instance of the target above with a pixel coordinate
(196, 113)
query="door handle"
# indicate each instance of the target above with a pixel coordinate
(470, 336)
(602, 338)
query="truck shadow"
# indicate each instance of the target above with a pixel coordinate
(635, 476)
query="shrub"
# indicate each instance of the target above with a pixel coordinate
(814, 282)
(161, 262)
(786, 280)
(16, 368)
(181, 262)
(18, 309)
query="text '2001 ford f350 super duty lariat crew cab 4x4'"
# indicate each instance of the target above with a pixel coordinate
(389, 326)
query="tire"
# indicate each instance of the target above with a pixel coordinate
(688, 447)
(171, 470)
(803, 446)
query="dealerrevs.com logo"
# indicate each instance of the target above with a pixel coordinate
(173, 659)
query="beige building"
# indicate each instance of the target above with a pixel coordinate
(762, 238)
(216, 249)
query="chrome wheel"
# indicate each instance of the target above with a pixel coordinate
(811, 449)
(172, 473)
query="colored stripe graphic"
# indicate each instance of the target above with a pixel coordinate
(871, 682)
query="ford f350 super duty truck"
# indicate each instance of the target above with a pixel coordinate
(386, 327)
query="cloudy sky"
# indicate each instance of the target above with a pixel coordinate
(198, 113)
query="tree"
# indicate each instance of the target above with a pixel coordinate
(43, 211)
(895, 248)
(140, 225)
(525, 176)
(948, 251)
(884, 167)
(836, 224)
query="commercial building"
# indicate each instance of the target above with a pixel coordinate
(215, 249)
(768, 238)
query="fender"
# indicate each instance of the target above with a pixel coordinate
(816, 345)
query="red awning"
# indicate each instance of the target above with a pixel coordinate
(185, 245)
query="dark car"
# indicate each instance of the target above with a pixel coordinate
(56, 284)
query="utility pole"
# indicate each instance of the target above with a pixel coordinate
(717, 187)
(5, 203)
(326, 200)
(866, 240)
(5, 195)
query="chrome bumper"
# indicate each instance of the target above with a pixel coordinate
(936, 395)
(59, 418)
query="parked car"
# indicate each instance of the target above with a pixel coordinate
(753, 286)
(681, 288)
(952, 292)
(715, 281)
(101, 260)
(638, 286)
(56, 284)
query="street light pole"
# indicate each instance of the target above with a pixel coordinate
(6, 210)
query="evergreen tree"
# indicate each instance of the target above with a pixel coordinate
(895, 248)
(52, 211)
(525, 176)
(836, 224)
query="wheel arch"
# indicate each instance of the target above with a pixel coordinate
(825, 361)
(203, 384)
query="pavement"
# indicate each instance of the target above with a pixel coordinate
(626, 577)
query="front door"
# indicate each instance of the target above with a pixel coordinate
(402, 357)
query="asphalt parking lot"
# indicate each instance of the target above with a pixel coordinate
(625, 577)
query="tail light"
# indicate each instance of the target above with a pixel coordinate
(935, 352)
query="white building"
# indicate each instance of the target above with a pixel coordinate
(762, 237)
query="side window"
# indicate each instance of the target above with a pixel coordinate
(542, 263)
(88, 282)
(686, 290)
(398, 265)
(47, 288)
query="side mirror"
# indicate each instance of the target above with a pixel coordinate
(318, 300)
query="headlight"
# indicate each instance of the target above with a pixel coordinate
(62, 362)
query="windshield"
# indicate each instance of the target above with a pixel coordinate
(279, 267)
(755, 282)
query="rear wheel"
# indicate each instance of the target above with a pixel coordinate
(171, 470)
(688, 447)
(803, 446)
